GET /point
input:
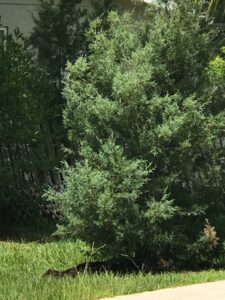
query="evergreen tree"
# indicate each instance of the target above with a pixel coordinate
(19, 129)
(58, 35)
(145, 136)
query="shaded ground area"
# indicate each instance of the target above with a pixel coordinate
(40, 231)
(117, 266)
(206, 291)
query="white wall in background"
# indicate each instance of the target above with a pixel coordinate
(18, 13)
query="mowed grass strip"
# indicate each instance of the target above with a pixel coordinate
(22, 264)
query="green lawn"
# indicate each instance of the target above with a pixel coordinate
(21, 266)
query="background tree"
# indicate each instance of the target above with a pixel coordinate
(19, 130)
(217, 8)
(58, 35)
(31, 131)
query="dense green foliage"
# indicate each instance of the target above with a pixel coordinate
(18, 128)
(27, 146)
(31, 129)
(58, 36)
(143, 103)
(140, 116)
(217, 9)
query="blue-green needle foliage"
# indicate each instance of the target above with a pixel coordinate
(144, 138)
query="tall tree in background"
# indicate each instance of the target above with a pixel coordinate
(21, 147)
(217, 9)
(58, 35)
(31, 130)
(102, 7)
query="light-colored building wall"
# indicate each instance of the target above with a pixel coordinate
(18, 13)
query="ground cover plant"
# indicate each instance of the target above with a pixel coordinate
(22, 265)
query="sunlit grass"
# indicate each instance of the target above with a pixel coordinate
(22, 264)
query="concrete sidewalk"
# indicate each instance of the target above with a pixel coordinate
(204, 291)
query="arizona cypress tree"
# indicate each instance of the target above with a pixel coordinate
(144, 137)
